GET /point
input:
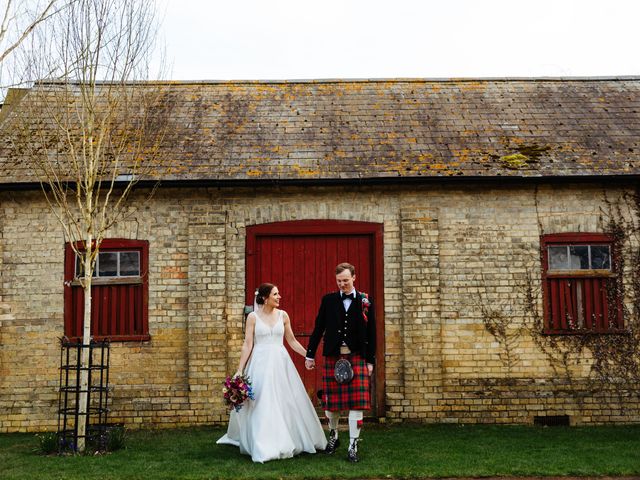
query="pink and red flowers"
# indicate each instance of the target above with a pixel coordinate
(366, 303)
(236, 390)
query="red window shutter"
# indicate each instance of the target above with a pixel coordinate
(119, 310)
(575, 303)
(581, 303)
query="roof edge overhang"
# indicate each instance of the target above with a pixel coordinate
(383, 181)
(607, 78)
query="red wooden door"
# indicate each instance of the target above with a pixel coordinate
(300, 258)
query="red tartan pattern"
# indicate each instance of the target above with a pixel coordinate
(354, 395)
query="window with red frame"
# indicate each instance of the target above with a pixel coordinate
(580, 284)
(119, 292)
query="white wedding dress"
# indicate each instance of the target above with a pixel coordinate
(281, 421)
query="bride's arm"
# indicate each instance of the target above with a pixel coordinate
(247, 346)
(291, 338)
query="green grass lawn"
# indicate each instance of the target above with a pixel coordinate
(394, 451)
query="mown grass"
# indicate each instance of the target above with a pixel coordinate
(393, 451)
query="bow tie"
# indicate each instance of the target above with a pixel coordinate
(345, 296)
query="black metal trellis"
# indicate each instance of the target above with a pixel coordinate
(96, 411)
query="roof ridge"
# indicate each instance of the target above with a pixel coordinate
(372, 80)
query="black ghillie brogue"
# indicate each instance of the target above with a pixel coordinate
(333, 443)
(352, 454)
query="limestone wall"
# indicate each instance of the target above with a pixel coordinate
(451, 254)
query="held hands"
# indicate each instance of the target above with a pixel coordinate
(310, 364)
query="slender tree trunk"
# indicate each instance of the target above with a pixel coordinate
(86, 339)
(94, 125)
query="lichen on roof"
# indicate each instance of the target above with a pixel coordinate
(396, 129)
(515, 161)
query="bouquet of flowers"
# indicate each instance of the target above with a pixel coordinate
(236, 390)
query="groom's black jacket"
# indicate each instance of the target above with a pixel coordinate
(339, 326)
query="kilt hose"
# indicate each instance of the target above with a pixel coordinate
(354, 395)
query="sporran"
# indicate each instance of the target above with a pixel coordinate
(343, 371)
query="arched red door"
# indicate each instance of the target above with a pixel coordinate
(300, 258)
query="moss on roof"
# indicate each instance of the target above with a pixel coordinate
(390, 129)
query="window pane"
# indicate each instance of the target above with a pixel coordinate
(600, 257)
(579, 258)
(79, 273)
(108, 264)
(79, 268)
(129, 264)
(558, 258)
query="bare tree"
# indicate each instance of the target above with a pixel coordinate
(19, 19)
(12, 13)
(96, 130)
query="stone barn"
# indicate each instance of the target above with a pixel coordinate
(494, 224)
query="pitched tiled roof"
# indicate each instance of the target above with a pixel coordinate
(392, 129)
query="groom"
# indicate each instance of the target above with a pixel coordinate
(346, 322)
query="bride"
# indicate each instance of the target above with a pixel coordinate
(281, 421)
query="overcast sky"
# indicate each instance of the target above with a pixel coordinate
(293, 39)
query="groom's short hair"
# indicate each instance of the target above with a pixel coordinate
(345, 266)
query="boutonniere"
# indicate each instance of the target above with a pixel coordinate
(366, 303)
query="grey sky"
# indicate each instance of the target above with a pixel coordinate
(289, 39)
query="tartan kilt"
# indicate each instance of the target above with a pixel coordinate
(354, 395)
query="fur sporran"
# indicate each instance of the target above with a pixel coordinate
(343, 371)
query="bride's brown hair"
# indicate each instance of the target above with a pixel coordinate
(263, 292)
